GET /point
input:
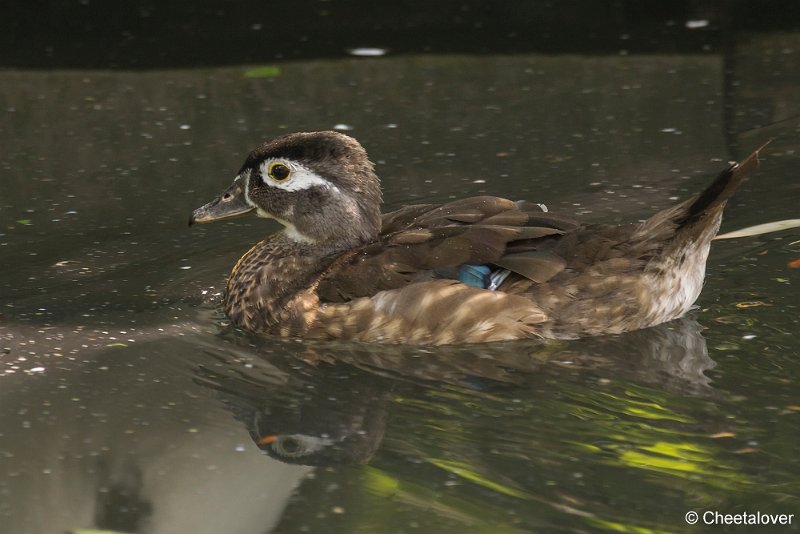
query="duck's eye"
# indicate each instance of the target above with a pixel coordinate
(297, 445)
(279, 172)
(289, 445)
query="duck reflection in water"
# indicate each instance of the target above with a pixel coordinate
(327, 415)
(328, 404)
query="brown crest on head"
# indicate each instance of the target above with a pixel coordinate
(320, 185)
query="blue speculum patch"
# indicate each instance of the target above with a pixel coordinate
(475, 275)
(482, 276)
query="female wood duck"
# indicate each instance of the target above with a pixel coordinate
(472, 270)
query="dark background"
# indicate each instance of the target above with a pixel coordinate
(93, 34)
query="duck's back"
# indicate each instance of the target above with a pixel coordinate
(428, 242)
(564, 280)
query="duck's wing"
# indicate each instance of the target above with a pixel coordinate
(424, 242)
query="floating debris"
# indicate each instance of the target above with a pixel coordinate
(752, 304)
(267, 71)
(759, 229)
(696, 24)
(367, 52)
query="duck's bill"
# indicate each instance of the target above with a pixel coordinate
(231, 203)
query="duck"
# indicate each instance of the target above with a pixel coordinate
(473, 270)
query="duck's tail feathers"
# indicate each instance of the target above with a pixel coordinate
(699, 216)
(712, 200)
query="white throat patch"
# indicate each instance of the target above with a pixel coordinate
(292, 233)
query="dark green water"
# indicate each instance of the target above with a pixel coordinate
(126, 404)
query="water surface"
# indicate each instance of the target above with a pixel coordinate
(128, 404)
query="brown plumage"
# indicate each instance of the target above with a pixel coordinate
(340, 272)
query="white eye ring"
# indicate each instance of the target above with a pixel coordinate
(300, 177)
(279, 171)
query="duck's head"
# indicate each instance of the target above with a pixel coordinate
(321, 186)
